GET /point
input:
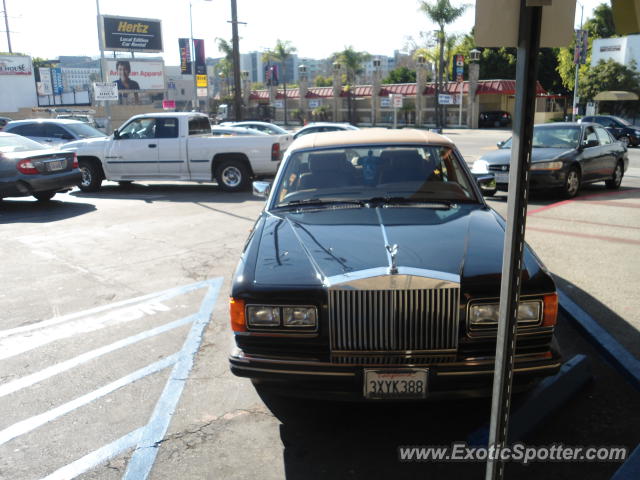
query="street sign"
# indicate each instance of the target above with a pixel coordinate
(105, 91)
(201, 80)
(314, 103)
(56, 75)
(201, 91)
(385, 102)
(459, 68)
(447, 99)
(168, 104)
(397, 100)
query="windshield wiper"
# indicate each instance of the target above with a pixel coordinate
(316, 202)
(411, 201)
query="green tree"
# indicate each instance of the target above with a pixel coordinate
(609, 75)
(442, 13)
(351, 61)
(400, 75)
(224, 67)
(321, 81)
(601, 25)
(280, 54)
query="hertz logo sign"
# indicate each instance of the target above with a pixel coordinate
(133, 27)
(132, 34)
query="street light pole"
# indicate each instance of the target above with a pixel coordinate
(104, 75)
(575, 82)
(6, 24)
(192, 57)
(237, 100)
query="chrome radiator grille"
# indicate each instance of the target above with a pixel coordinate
(394, 320)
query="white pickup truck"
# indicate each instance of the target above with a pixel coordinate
(174, 146)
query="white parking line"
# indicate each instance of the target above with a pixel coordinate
(28, 380)
(145, 454)
(157, 296)
(96, 457)
(25, 426)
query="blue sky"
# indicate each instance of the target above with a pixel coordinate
(317, 28)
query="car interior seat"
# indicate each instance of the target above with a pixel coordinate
(403, 166)
(327, 170)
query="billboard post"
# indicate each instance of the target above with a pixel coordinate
(107, 104)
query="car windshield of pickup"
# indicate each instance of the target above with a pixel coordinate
(372, 174)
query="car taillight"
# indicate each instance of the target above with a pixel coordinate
(505, 115)
(26, 166)
(275, 152)
(75, 160)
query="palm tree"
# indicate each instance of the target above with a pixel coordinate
(352, 62)
(442, 13)
(224, 67)
(280, 54)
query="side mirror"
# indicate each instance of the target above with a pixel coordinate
(116, 134)
(500, 144)
(590, 143)
(261, 189)
(487, 183)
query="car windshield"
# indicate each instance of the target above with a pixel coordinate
(553, 137)
(11, 143)
(82, 130)
(376, 173)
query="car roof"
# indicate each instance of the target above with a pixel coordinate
(61, 121)
(370, 136)
(328, 124)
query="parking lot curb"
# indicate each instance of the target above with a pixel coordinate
(549, 395)
(621, 359)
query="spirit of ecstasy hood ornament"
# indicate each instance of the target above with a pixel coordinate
(393, 254)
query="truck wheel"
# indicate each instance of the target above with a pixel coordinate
(232, 176)
(91, 177)
(44, 196)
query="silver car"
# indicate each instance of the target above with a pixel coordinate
(53, 132)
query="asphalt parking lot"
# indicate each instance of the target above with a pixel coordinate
(107, 296)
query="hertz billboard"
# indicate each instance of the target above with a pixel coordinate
(132, 34)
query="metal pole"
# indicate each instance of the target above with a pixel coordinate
(460, 111)
(526, 71)
(6, 24)
(237, 101)
(103, 74)
(192, 57)
(575, 82)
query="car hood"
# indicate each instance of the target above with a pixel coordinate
(503, 156)
(307, 248)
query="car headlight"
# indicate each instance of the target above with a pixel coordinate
(486, 315)
(299, 317)
(263, 316)
(273, 316)
(480, 166)
(557, 165)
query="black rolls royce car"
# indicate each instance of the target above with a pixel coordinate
(564, 157)
(374, 272)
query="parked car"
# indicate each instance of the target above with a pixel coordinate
(621, 129)
(4, 121)
(53, 132)
(285, 137)
(320, 127)
(496, 118)
(228, 130)
(29, 168)
(564, 157)
(175, 146)
(374, 272)
(81, 117)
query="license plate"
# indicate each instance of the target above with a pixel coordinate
(395, 384)
(56, 165)
(502, 177)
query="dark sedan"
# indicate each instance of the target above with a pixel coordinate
(495, 118)
(374, 273)
(621, 129)
(564, 157)
(29, 168)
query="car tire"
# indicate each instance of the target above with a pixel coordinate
(232, 176)
(616, 178)
(44, 196)
(91, 177)
(571, 183)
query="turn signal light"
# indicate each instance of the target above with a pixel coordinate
(236, 310)
(550, 314)
(26, 166)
